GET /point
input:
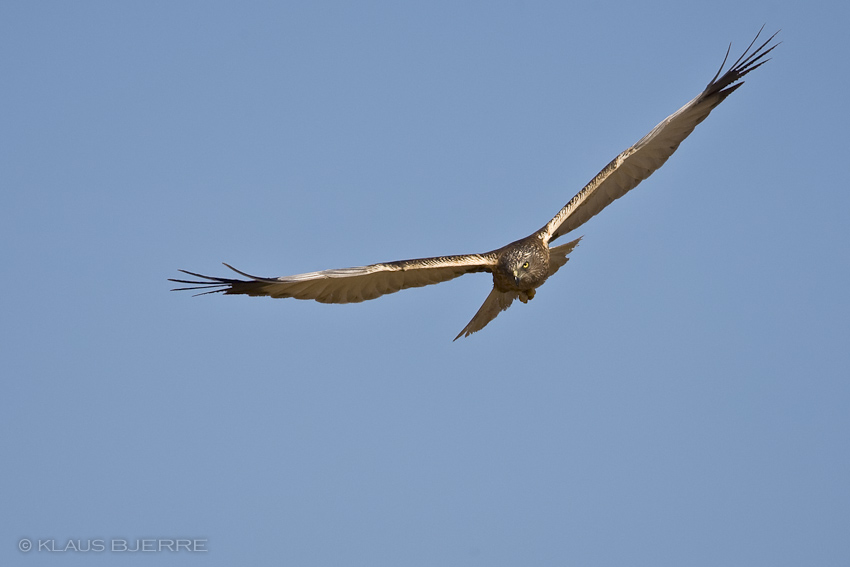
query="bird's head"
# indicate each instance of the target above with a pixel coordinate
(520, 271)
(524, 267)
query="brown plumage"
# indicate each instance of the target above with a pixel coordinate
(520, 267)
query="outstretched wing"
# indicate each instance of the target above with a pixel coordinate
(347, 285)
(638, 162)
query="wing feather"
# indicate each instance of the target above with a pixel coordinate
(347, 285)
(638, 162)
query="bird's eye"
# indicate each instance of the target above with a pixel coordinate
(525, 266)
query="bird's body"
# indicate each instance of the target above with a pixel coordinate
(522, 266)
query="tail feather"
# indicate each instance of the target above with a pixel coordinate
(495, 303)
(558, 255)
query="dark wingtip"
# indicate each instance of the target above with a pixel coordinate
(724, 83)
(207, 282)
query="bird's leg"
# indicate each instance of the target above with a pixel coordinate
(526, 296)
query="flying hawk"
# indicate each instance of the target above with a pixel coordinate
(520, 267)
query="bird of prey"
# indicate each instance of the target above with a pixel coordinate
(520, 267)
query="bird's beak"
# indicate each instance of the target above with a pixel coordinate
(516, 278)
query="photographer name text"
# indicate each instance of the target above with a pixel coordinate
(114, 545)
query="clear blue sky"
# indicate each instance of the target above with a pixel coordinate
(677, 395)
